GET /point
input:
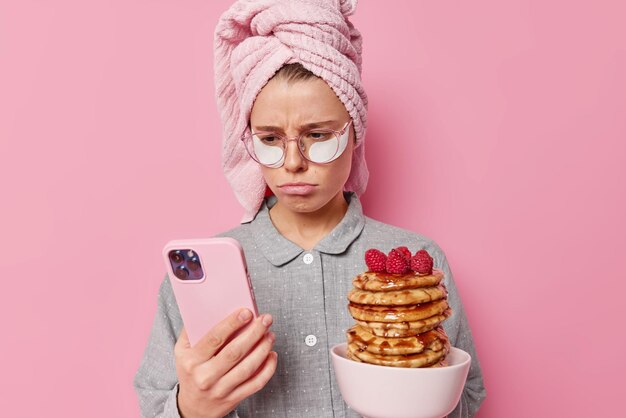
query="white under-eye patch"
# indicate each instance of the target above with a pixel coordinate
(327, 151)
(268, 154)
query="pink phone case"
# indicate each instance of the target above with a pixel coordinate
(224, 287)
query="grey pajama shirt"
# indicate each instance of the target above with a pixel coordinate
(306, 293)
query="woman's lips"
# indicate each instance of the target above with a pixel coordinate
(297, 189)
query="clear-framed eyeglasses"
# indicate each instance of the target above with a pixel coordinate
(320, 146)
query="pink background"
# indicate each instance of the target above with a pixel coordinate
(496, 128)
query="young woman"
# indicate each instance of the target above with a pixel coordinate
(303, 246)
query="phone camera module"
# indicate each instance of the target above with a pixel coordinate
(186, 264)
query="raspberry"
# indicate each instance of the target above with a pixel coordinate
(405, 251)
(422, 262)
(396, 263)
(376, 260)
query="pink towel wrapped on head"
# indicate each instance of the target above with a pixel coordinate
(253, 40)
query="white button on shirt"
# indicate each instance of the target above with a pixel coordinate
(308, 258)
(310, 340)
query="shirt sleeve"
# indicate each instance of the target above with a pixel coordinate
(156, 381)
(458, 330)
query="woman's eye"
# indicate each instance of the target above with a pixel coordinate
(269, 139)
(318, 135)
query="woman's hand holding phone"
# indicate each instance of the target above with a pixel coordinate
(217, 373)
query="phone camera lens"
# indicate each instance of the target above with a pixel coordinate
(193, 264)
(176, 256)
(181, 272)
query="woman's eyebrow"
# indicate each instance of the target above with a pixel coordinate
(305, 126)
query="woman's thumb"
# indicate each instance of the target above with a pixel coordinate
(183, 340)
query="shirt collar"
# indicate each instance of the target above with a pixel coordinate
(279, 250)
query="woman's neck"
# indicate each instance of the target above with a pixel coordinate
(306, 229)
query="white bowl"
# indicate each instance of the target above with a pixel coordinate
(397, 392)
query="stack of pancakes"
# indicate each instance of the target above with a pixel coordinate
(399, 319)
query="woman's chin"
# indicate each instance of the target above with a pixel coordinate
(303, 203)
(300, 204)
(308, 203)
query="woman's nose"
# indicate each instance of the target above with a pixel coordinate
(293, 159)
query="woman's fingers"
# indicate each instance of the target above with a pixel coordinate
(236, 350)
(234, 342)
(183, 352)
(213, 340)
(258, 380)
(183, 339)
(247, 367)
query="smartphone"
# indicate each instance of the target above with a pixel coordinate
(210, 280)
